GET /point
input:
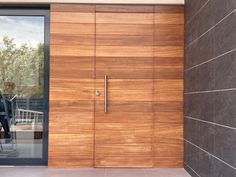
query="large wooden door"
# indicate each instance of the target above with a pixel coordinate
(124, 52)
(140, 49)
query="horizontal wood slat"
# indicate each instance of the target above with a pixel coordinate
(126, 40)
(124, 29)
(124, 18)
(72, 17)
(73, 29)
(72, 8)
(169, 9)
(125, 8)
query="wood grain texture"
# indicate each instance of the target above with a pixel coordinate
(71, 120)
(168, 86)
(124, 18)
(124, 51)
(125, 8)
(124, 29)
(72, 17)
(72, 29)
(169, 9)
(140, 48)
(72, 8)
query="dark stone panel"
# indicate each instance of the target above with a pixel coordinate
(225, 69)
(200, 106)
(218, 107)
(209, 16)
(191, 31)
(206, 18)
(200, 134)
(206, 140)
(191, 8)
(191, 55)
(206, 165)
(200, 78)
(223, 170)
(225, 108)
(225, 145)
(200, 51)
(200, 161)
(192, 131)
(191, 156)
(219, 12)
(225, 35)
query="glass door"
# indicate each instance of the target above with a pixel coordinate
(24, 55)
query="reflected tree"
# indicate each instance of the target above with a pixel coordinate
(23, 67)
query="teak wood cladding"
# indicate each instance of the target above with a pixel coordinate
(140, 48)
(126, 59)
(168, 86)
(71, 125)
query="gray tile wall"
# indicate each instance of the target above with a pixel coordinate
(210, 88)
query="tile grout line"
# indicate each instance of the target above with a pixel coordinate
(210, 91)
(210, 154)
(199, 10)
(209, 122)
(212, 59)
(203, 34)
(192, 169)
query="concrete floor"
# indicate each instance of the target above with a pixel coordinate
(90, 172)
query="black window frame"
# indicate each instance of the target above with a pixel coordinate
(34, 10)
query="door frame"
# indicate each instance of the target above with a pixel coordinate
(34, 10)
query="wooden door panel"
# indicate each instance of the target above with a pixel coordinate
(140, 73)
(124, 63)
(124, 161)
(125, 67)
(126, 84)
(124, 52)
(125, 94)
(124, 117)
(125, 106)
(127, 40)
(124, 29)
(128, 150)
(169, 35)
(124, 18)
(125, 8)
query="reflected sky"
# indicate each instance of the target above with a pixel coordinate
(24, 29)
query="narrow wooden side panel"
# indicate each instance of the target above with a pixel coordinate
(71, 118)
(168, 86)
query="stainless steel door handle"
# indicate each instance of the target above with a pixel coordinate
(105, 93)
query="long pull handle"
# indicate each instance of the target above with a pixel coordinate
(105, 93)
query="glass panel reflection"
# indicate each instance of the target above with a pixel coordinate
(21, 86)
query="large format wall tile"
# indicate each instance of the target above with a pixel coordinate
(210, 88)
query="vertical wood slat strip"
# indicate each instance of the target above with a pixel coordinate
(72, 63)
(168, 54)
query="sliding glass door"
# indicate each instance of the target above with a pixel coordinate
(24, 55)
